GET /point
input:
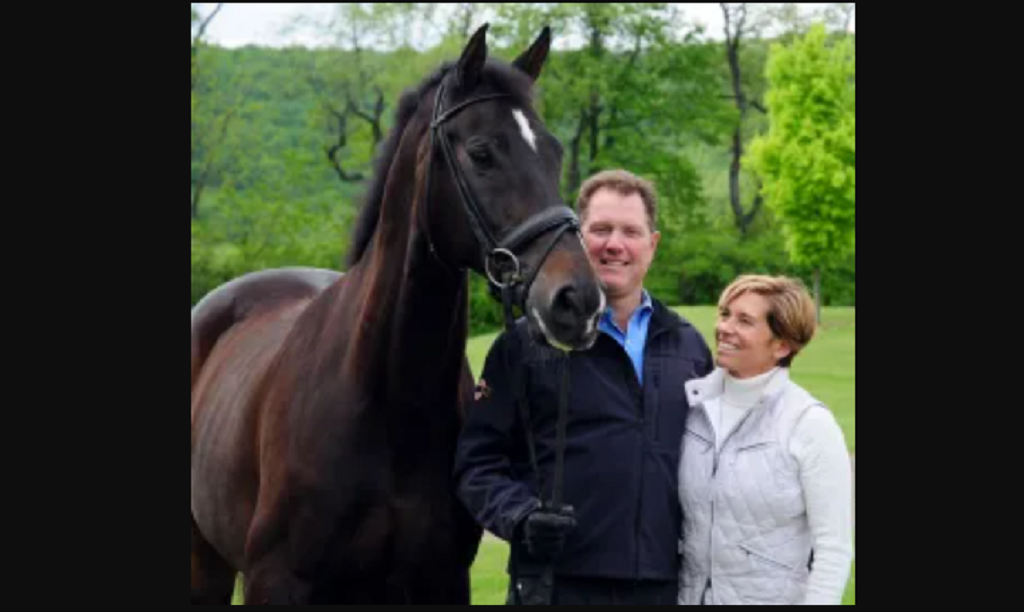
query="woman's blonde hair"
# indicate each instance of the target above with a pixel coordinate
(791, 311)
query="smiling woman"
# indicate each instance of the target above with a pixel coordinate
(757, 441)
(762, 323)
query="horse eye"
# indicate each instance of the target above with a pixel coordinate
(481, 156)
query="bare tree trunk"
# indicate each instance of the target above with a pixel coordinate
(734, 178)
(613, 120)
(374, 120)
(609, 135)
(356, 104)
(732, 51)
(596, 49)
(339, 146)
(198, 39)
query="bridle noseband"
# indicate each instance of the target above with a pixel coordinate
(507, 279)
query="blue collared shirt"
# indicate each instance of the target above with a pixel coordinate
(634, 339)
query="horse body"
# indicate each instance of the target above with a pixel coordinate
(315, 464)
(326, 408)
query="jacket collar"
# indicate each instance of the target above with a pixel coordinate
(665, 318)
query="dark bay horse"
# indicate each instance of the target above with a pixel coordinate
(325, 407)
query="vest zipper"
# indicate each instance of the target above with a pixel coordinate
(716, 453)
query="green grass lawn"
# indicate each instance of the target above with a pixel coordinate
(490, 581)
(826, 368)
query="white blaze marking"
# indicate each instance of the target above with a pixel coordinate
(524, 128)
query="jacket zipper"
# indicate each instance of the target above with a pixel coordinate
(643, 444)
(711, 530)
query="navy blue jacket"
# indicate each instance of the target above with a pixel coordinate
(622, 448)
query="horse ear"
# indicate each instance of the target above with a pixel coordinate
(532, 60)
(471, 64)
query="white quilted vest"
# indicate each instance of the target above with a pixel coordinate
(746, 538)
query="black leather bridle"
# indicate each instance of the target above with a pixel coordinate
(506, 276)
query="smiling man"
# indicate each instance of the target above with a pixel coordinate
(616, 538)
(618, 211)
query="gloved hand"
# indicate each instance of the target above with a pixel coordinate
(546, 530)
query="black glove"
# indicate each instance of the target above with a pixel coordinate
(546, 530)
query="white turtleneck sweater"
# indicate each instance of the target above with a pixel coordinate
(819, 446)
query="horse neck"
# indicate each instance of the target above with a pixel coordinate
(430, 331)
(419, 306)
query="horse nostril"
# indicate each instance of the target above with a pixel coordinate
(567, 303)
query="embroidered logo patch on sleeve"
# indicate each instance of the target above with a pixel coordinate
(482, 390)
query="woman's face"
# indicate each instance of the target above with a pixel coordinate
(745, 343)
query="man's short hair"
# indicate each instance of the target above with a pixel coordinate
(624, 182)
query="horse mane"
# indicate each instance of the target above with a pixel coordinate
(503, 76)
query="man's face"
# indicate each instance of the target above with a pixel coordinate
(619, 240)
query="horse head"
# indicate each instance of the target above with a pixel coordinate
(491, 195)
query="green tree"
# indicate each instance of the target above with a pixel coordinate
(631, 87)
(808, 158)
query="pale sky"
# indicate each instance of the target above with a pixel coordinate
(240, 24)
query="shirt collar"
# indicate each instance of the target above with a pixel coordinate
(645, 300)
(645, 305)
